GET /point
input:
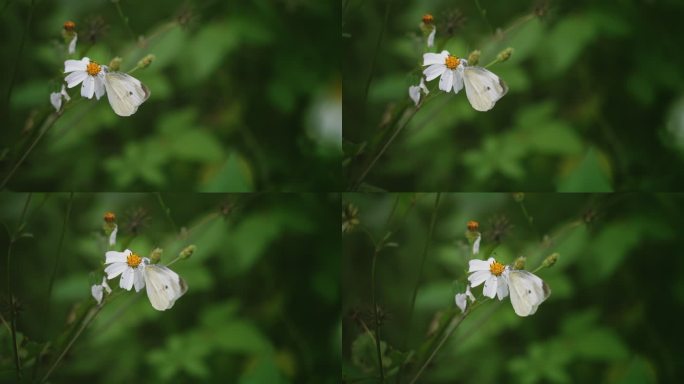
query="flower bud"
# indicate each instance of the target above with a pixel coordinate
(109, 224)
(519, 197)
(504, 55)
(473, 226)
(519, 263)
(69, 26)
(187, 252)
(156, 255)
(146, 61)
(550, 260)
(428, 19)
(115, 64)
(474, 57)
(109, 217)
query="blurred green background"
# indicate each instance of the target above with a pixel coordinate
(595, 100)
(262, 305)
(613, 316)
(245, 95)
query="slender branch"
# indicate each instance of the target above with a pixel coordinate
(124, 19)
(59, 246)
(388, 4)
(452, 327)
(167, 211)
(376, 322)
(84, 325)
(17, 58)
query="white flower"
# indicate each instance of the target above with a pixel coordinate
(56, 98)
(72, 44)
(127, 264)
(492, 274)
(97, 290)
(447, 67)
(414, 91)
(112, 236)
(88, 72)
(431, 37)
(461, 299)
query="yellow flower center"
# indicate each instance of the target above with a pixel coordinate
(93, 68)
(452, 62)
(133, 260)
(495, 268)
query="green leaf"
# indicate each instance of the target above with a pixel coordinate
(590, 175)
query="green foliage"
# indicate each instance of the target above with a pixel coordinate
(615, 288)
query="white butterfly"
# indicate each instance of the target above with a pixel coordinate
(483, 88)
(527, 291)
(163, 285)
(125, 92)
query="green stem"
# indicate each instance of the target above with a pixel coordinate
(377, 49)
(59, 246)
(17, 60)
(125, 20)
(13, 318)
(483, 13)
(376, 322)
(167, 211)
(49, 122)
(91, 315)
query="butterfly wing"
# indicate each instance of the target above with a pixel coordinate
(527, 291)
(125, 93)
(164, 286)
(483, 88)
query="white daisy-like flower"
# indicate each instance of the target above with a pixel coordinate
(87, 72)
(129, 265)
(98, 290)
(112, 236)
(447, 67)
(56, 98)
(414, 91)
(461, 301)
(492, 274)
(431, 37)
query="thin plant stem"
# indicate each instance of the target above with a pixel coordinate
(49, 122)
(17, 58)
(388, 4)
(13, 318)
(84, 325)
(426, 250)
(376, 322)
(125, 20)
(450, 329)
(59, 246)
(167, 211)
(483, 13)
(370, 166)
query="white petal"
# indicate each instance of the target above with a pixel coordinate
(476, 244)
(99, 87)
(431, 37)
(117, 257)
(490, 287)
(478, 265)
(433, 71)
(461, 301)
(64, 93)
(470, 294)
(76, 65)
(138, 279)
(446, 81)
(56, 100)
(414, 93)
(96, 291)
(112, 236)
(127, 278)
(75, 78)
(105, 285)
(478, 277)
(72, 44)
(435, 58)
(114, 270)
(88, 87)
(422, 86)
(502, 288)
